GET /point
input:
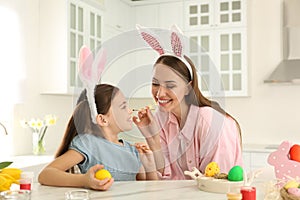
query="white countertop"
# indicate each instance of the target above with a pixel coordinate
(183, 189)
(142, 190)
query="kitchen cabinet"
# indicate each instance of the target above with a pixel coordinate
(160, 15)
(64, 27)
(218, 26)
(218, 45)
(118, 17)
(216, 34)
(256, 157)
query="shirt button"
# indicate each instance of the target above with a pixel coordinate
(190, 161)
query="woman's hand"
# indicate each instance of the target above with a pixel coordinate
(149, 128)
(93, 183)
(146, 123)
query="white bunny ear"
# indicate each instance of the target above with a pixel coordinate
(177, 41)
(151, 39)
(85, 63)
(90, 73)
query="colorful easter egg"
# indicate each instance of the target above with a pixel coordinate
(236, 173)
(294, 191)
(291, 184)
(212, 169)
(295, 152)
(102, 174)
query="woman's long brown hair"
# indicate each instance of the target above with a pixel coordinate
(195, 97)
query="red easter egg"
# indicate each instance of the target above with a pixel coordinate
(295, 152)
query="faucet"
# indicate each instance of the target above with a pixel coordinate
(4, 128)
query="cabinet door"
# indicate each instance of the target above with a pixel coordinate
(201, 49)
(259, 160)
(77, 28)
(232, 61)
(199, 14)
(247, 161)
(85, 28)
(94, 34)
(230, 13)
(206, 14)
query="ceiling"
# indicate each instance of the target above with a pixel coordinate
(146, 2)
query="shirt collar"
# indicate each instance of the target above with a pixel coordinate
(190, 123)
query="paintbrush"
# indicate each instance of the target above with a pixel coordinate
(135, 109)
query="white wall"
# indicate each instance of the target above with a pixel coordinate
(268, 116)
(31, 103)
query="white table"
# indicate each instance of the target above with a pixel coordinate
(141, 190)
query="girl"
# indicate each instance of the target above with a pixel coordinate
(91, 140)
(188, 130)
(88, 145)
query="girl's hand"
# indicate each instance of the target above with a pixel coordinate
(146, 156)
(146, 123)
(93, 183)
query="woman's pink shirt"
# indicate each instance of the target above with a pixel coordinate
(207, 136)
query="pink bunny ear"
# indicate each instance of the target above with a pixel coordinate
(150, 38)
(85, 64)
(176, 41)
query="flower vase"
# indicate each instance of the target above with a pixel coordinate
(38, 144)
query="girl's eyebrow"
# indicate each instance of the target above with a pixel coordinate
(124, 102)
(154, 79)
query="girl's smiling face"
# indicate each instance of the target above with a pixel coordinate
(168, 88)
(120, 114)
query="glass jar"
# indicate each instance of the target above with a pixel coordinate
(16, 195)
(77, 195)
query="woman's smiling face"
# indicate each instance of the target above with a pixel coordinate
(168, 88)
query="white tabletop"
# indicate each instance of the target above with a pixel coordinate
(183, 189)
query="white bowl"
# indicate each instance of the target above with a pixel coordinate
(209, 184)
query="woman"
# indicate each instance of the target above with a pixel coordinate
(188, 130)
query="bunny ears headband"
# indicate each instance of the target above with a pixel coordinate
(90, 70)
(176, 42)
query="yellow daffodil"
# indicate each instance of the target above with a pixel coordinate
(39, 128)
(50, 120)
(39, 124)
(32, 124)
